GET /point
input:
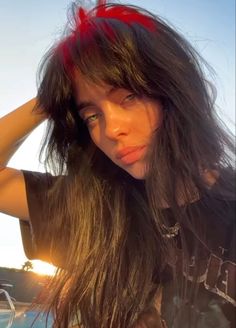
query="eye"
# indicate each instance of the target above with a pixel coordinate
(130, 97)
(89, 120)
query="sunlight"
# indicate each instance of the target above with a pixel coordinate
(43, 268)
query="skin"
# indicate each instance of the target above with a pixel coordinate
(117, 119)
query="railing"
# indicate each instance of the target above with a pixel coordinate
(7, 308)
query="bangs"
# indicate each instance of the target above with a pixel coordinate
(108, 53)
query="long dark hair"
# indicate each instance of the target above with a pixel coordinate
(111, 230)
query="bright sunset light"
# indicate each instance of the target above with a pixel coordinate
(41, 267)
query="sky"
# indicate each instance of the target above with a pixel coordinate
(30, 27)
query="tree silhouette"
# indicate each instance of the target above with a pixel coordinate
(27, 266)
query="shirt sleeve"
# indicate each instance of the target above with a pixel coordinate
(35, 236)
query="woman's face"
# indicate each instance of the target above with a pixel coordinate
(121, 124)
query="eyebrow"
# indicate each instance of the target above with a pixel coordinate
(84, 104)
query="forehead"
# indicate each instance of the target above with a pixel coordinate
(86, 89)
(84, 86)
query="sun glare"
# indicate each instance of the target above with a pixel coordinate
(43, 268)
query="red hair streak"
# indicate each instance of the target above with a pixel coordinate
(85, 26)
(120, 12)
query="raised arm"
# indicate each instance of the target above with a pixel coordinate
(14, 129)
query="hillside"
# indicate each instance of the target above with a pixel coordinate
(26, 284)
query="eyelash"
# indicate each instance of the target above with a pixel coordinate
(87, 120)
(132, 96)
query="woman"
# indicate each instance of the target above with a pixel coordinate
(137, 210)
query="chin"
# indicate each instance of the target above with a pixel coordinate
(137, 171)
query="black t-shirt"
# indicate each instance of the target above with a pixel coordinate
(215, 304)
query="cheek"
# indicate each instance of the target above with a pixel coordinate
(95, 139)
(94, 136)
(158, 116)
(155, 117)
(99, 141)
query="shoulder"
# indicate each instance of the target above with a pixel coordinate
(38, 184)
(33, 177)
(225, 186)
(219, 204)
(213, 221)
(219, 201)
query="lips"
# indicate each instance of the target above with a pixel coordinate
(130, 155)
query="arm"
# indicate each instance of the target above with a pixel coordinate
(14, 129)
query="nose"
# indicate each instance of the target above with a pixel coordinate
(115, 120)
